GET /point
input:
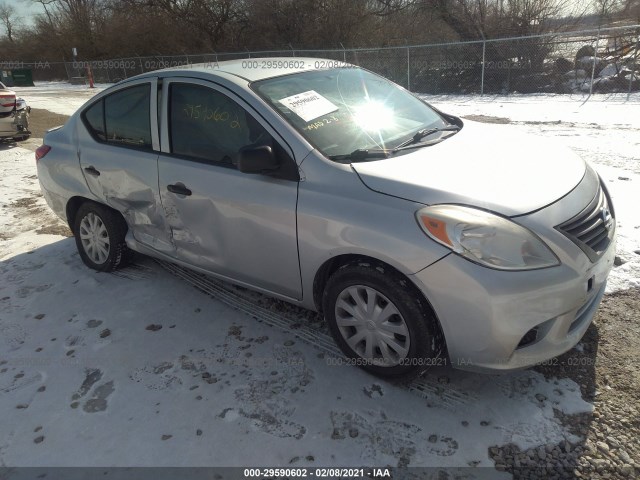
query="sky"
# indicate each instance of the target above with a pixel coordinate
(25, 9)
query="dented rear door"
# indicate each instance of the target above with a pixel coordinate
(118, 151)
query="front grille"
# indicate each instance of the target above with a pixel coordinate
(592, 228)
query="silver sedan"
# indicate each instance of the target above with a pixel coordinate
(420, 238)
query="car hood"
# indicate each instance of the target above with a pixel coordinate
(482, 165)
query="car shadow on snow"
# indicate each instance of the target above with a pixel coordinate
(8, 144)
(263, 363)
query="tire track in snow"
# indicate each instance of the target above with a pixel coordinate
(447, 397)
(230, 297)
(134, 271)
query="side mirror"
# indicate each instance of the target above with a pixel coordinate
(257, 160)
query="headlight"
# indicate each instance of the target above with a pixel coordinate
(485, 238)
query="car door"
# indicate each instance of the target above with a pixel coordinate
(236, 225)
(118, 152)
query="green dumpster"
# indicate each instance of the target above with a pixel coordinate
(22, 77)
(5, 77)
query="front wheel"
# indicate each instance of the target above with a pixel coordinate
(379, 321)
(100, 233)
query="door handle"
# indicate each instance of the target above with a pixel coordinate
(92, 171)
(179, 188)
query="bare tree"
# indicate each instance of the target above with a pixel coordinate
(46, 6)
(631, 10)
(476, 19)
(205, 18)
(9, 20)
(606, 9)
(121, 28)
(528, 17)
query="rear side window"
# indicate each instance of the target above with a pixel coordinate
(95, 119)
(122, 118)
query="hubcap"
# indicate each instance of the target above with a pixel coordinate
(94, 238)
(372, 326)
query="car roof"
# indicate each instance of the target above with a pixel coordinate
(254, 69)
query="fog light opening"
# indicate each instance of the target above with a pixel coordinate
(529, 338)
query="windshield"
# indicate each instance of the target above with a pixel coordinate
(346, 109)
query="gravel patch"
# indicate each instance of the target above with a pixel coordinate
(606, 366)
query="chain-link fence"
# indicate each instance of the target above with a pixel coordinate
(589, 61)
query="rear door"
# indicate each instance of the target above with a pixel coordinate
(237, 225)
(118, 150)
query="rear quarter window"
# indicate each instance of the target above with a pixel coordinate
(122, 118)
(94, 117)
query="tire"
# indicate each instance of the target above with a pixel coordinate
(401, 309)
(109, 251)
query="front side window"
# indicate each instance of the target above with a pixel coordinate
(207, 125)
(346, 109)
(122, 118)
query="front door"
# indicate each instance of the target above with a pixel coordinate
(236, 225)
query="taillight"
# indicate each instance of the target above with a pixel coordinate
(41, 151)
(7, 100)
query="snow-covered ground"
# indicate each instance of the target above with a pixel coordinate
(83, 367)
(138, 368)
(58, 97)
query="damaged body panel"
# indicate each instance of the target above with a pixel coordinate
(215, 227)
(125, 177)
(14, 115)
(236, 225)
(129, 184)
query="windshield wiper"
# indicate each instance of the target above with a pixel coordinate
(362, 154)
(425, 132)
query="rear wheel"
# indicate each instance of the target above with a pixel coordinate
(100, 233)
(379, 321)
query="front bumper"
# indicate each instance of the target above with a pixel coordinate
(499, 321)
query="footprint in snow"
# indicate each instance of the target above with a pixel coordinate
(94, 323)
(97, 402)
(378, 435)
